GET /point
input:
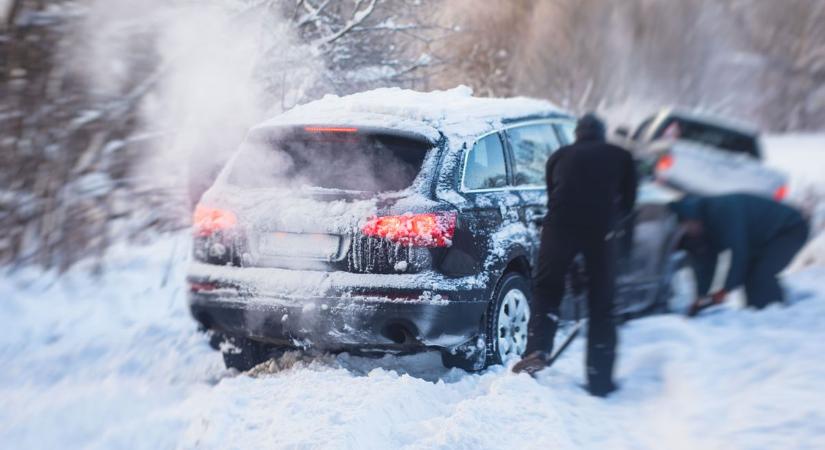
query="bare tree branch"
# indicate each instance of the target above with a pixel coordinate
(10, 14)
(313, 13)
(358, 17)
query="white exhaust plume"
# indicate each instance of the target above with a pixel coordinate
(219, 67)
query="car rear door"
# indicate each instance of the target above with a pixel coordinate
(490, 205)
(530, 145)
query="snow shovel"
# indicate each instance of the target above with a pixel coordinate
(535, 364)
(577, 327)
(702, 304)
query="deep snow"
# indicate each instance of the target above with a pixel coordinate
(116, 362)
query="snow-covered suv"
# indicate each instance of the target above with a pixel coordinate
(395, 221)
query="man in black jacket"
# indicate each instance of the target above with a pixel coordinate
(762, 235)
(591, 185)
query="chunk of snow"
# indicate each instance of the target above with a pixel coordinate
(401, 266)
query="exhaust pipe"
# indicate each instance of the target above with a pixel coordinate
(398, 333)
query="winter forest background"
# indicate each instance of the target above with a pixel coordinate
(106, 105)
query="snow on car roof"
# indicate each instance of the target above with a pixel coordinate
(454, 112)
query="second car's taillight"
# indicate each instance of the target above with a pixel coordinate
(664, 163)
(780, 193)
(207, 221)
(418, 230)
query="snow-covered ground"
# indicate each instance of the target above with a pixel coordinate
(116, 362)
(801, 155)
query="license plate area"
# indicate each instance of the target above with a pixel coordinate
(313, 246)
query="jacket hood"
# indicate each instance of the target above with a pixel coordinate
(687, 208)
(590, 128)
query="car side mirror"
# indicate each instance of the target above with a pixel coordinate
(622, 132)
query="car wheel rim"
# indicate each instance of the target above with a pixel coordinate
(513, 315)
(682, 290)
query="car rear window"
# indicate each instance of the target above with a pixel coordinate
(334, 158)
(710, 135)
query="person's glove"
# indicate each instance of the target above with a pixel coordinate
(719, 296)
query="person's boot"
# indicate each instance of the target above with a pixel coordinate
(601, 356)
(540, 336)
(532, 363)
(602, 390)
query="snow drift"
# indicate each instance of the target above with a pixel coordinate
(117, 362)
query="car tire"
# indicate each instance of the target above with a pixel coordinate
(505, 327)
(242, 354)
(679, 291)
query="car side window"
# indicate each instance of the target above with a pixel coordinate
(642, 128)
(532, 145)
(567, 132)
(485, 168)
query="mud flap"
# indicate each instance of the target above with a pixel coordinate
(470, 356)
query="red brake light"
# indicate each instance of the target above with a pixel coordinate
(330, 130)
(780, 193)
(418, 230)
(664, 163)
(209, 220)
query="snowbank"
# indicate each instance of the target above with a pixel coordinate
(117, 362)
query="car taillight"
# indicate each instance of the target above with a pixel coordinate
(201, 287)
(780, 193)
(664, 163)
(207, 220)
(418, 230)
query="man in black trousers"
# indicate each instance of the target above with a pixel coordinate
(591, 185)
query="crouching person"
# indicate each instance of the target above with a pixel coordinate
(762, 235)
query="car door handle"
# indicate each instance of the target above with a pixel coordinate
(536, 215)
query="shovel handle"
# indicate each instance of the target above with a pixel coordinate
(701, 304)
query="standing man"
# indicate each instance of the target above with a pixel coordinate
(591, 185)
(763, 236)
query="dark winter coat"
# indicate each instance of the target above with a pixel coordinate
(590, 184)
(742, 223)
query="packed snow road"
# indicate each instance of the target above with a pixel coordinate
(116, 362)
(119, 364)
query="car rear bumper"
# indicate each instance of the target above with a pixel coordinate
(308, 309)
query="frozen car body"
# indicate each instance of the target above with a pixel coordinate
(371, 294)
